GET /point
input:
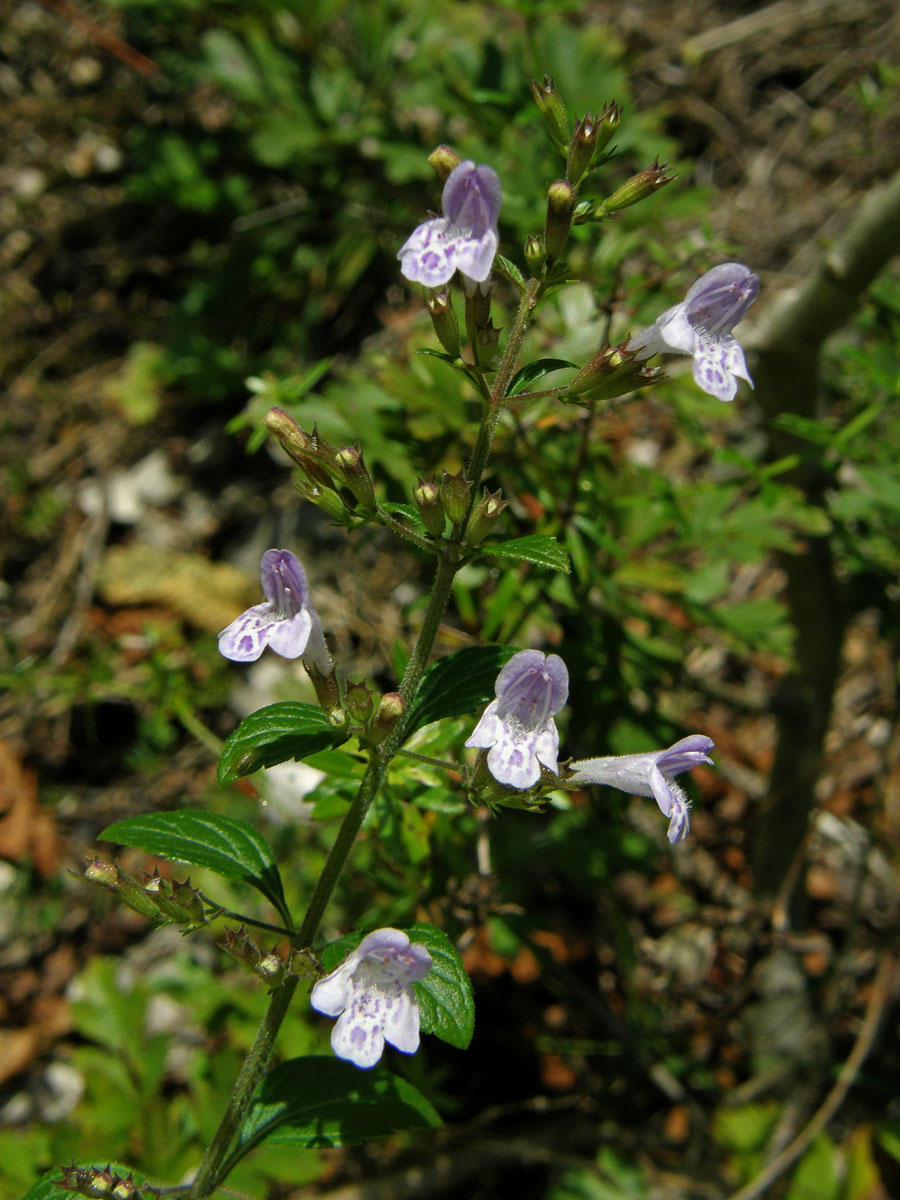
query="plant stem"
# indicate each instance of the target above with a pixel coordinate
(207, 1177)
(214, 1160)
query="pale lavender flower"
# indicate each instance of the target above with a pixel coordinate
(651, 774)
(701, 326)
(286, 620)
(372, 995)
(517, 728)
(465, 237)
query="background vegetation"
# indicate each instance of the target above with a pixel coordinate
(198, 195)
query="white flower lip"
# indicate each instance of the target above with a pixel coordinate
(465, 238)
(517, 729)
(372, 996)
(286, 621)
(701, 326)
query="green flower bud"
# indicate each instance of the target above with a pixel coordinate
(553, 110)
(179, 902)
(359, 701)
(535, 254)
(613, 372)
(324, 497)
(356, 476)
(390, 710)
(561, 200)
(455, 491)
(431, 509)
(443, 318)
(295, 442)
(485, 516)
(638, 187)
(111, 876)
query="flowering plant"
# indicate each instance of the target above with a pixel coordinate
(388, 986)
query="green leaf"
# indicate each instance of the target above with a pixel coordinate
(534, 371)
(537, 548)
(457, 684)
(447, 358)
(322, 1102)
(446, 1004)
(46, 1188)
(510, 270)
(225, 845)
(275, 734)
(409, 511)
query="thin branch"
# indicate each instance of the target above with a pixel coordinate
(882, 990)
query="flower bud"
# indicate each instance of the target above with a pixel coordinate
(443, 318)
(535, 254)
(237, 943)
(359, 701)
(294, 441)
(389, 712)
(455, 491)
(608, 122)
(581, 148)
(485, 345)
(444, 160)
(111, 876)
(553, 110)
(99, 1183)
(179, 902)
(478, 315)
(561, 200)
(485, 516)
(431, 509)
(612, 372)
(638, 187)
(325, 498)
(269, 966)
(328, 692)
(356, 476)
(124, 1188)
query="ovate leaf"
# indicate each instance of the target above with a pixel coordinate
(457, 684)
(446, 1004)
(315, 1102)
(224, 845)
(274, 735)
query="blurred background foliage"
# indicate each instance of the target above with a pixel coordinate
(201, 220)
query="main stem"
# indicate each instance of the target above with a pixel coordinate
(257, 1059)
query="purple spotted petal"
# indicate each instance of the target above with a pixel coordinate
(248, 635)
(428, 255)
(512, 760)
